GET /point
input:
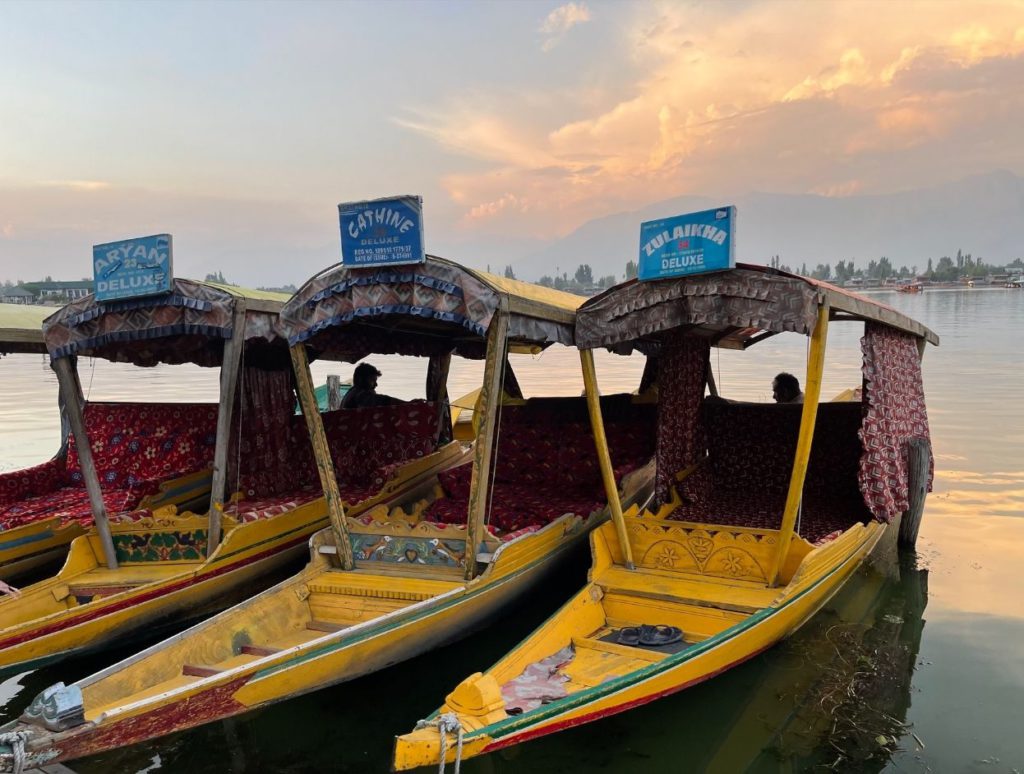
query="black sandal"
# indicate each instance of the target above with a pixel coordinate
(656, 636)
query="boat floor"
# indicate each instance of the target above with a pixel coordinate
(699, 606)
(331, 602)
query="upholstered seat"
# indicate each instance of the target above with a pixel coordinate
(135, 447)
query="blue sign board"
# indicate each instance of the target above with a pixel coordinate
(688, 244)
(382, 232)
(134, 267)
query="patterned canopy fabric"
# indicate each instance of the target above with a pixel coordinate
(189, 324)
(422, 309)
(895, 414)
(741, 299)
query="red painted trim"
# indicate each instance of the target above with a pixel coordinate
(67, 623)
(529, 734)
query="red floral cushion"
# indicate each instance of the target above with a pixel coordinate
(39, 479)
(547, 465)
(71, 503)
(135, 447)
(138, 445)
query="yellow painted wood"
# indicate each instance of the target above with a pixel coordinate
(812, 393)
(613, 603)
(497, 340)
(322, 453)
(611, 487)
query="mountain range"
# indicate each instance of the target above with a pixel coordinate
(983, 215)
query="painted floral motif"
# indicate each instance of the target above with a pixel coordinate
(172, 546)
(409, 550)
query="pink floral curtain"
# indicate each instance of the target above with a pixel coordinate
(894, 415)
(682, 374)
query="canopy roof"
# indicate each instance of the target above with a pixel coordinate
(188, 325)
(21, 328)
(422, 309)
(734, 308)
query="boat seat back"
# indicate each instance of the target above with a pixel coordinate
(137, 445)
(367, 445)
(546, 463)
(745, 478)
(752, 445)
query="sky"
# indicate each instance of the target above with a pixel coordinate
(239, 127)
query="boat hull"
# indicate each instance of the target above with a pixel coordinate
(713, 656)
(332, 659)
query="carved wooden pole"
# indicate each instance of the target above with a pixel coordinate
(322, 454)
(808, 419)
(67, 378)
(490, 397)
(611, 488)
(229, 370)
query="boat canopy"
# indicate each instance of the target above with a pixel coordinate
(422, 309)
(188, 325)
(733, 308)
(21, 328)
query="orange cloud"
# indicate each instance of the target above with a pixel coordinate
(731, 99)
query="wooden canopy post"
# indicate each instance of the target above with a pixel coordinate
(67, 379)
(490, 397)
(229, 371)
(808, 419)
(322, 454)
(611, 488)
(333, 392)
(437, 391)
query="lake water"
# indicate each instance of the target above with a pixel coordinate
(934, 641)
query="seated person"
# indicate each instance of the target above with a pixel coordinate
(786, 389)
(364, 390)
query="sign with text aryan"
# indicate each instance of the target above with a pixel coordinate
(134, 267)
(382, 232)
(688, 244)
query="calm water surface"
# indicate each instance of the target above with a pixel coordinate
(933, 641)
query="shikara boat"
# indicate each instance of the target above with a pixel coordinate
(140, 568)
(752, 528)
(393, 582)
(44, 507)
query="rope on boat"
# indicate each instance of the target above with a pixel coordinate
(447, 723)
(16, 741)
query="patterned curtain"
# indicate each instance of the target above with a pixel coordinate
(894, 415)
(682, 374)
(266, 456)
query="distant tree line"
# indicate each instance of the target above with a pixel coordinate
(946, 269)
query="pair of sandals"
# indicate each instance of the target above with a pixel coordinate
(650, 636)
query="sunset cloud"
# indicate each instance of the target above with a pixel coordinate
(827, 100)
(560, 21)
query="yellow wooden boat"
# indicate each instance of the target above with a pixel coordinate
(393, 582)
(43, 508)
(145, 568)
(752, 528)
